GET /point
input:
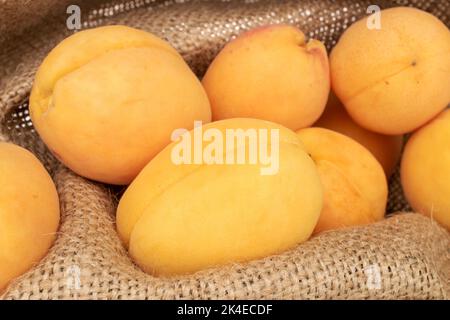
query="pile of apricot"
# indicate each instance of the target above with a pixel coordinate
(107, 102)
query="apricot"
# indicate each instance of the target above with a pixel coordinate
(425, 169)
(394, 79)
(29, 212)
(180, 218)
(106, 100)
(354, 183)
(270, 73)
(386, 149)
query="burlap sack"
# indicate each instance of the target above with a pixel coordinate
(405, 256)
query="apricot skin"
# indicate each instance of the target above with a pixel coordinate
(29, 212)
(425, 169)
(270, 73)
(354, 184)
(106, 100)
(386, 149)
(395, 79)
(178, 219)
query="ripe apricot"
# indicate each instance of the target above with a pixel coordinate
(354, 183)
(394, 79)
(270, 73)
(29, 212)
(425, 169)
(181, 218)
(106, 100)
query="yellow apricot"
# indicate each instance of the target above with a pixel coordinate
(270, 73)
(106, 100)
(354, 183)
(29, 212)
(385, 148)
(181, 218)
(425, 169)
(394, 79)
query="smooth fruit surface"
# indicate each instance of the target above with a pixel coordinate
(29, 212)
(386, 149)
(106, 100)
(355, 187)
(425, 169)
(178, 219)
(394, 79)
(270, 73)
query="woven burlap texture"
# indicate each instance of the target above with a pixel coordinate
(405, 256)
